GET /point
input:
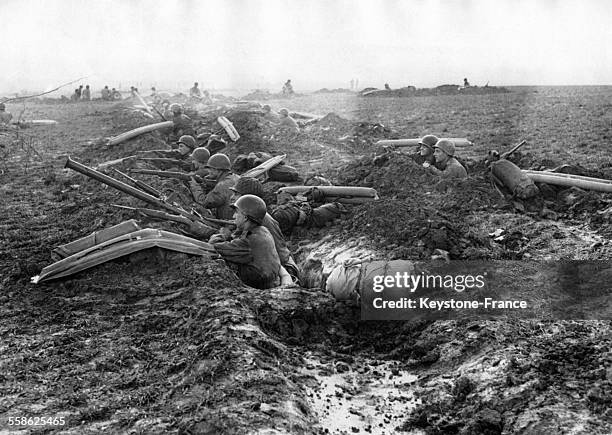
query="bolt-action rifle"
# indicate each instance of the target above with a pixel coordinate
(168, 174)
(136, 193)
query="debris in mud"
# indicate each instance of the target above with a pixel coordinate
(159, 342)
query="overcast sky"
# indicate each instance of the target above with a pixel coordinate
(317, 43)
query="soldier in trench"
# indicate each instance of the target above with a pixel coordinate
(445, 158)
(219, 198)
(251, 249)
(287, 122)
(252, 186)
(182, 123)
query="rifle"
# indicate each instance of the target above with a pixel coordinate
(156, 214)
(125, 188)
(508, 153)
(141, 184)
(494, 155)
(168, 174)
(180, 163)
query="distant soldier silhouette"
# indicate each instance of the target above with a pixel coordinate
(288, 88)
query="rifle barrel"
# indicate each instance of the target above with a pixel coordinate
(126, 188)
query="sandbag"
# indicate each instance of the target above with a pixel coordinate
(511, 176)
(283, 173)
(343, 281)
(95, 238)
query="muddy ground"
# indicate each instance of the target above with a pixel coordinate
(166, 343)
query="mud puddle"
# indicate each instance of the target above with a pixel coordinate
(365, 396)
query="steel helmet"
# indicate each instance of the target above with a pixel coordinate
(284, 112)
(248, 186)
(2, 106)
(447, 146)
(429, 141)
(219, 161)
(252, 207)
(176, 108)
(200, 155)
(188, 141)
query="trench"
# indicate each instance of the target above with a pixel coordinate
(345, 373)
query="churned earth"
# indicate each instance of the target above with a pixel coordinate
(166, 343)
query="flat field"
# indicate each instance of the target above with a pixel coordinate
(166, 343)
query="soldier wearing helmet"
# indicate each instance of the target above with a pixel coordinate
(251, 251)
(219, 198)
(5, 117)
(426, 150)
(200, 157)
(184, 147)
(445, 158)
(269, 114)
(177, 157)
(182, 123)
(252, 186)
(200, 181)
(287, 122)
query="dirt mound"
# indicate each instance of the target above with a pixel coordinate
(513, 388)
(410, 230)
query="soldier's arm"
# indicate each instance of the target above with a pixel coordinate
(237, 251)
(434, 170)
(453, 172)
(196, 191)
(214, 199)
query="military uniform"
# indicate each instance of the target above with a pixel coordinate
(194, 92)
(254, 256)
(453, 170)
(182, 126)
(220, 196)
(289, 123)
(420, 159)
(281, 245)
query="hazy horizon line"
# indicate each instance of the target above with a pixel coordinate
(147, 90)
